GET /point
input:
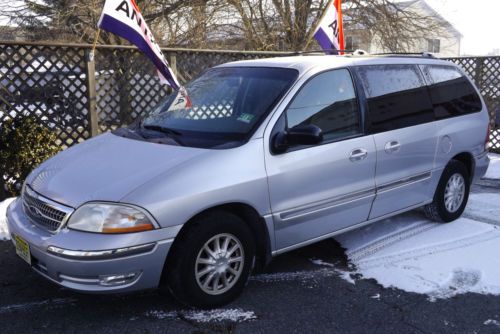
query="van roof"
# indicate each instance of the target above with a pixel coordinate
(305, 63)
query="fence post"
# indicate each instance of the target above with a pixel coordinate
(479, 72)
(91, 93)
(172, 61)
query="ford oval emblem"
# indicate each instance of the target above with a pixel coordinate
(36, 211)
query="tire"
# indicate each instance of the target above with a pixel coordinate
(189, 251)
(439, 211)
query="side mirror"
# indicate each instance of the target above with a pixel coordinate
(298, 135)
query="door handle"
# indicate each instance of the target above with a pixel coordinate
(392, 146)
(358, 154)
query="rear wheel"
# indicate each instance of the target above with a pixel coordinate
(451, 195)
(211, 261)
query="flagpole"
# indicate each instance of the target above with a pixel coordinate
(96, 39)
(96, 36)
(311, 33)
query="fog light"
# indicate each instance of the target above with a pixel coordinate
(119, 279)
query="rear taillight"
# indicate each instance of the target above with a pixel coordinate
(487, 139)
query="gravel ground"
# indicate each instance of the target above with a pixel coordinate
(293, 295)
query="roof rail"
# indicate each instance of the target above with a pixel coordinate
(360, 52)
(407, 54)
(322, 52)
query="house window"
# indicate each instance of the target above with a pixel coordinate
(433, 45)
(351, 43)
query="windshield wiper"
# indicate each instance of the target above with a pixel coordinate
(169, 132)
(162, 129)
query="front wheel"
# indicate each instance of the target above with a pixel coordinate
(211, 262)
(451, 195)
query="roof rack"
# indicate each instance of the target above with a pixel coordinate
(360, 52)
(322, 52)
(364, 53)
(407, 54)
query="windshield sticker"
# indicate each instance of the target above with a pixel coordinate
(246, 118)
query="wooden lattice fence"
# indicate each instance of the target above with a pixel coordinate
(485, 71)
(79, 97)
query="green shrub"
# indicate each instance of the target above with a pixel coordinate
(24, 144)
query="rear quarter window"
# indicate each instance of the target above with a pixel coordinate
(451, 92)
(397, 96)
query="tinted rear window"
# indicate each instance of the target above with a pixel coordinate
(397, 97)
(451, 92)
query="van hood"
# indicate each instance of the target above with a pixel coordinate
(105, 168)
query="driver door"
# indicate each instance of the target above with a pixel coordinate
(319, 189)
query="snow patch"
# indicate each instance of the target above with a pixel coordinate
(233, 315)
(4, 231)
(320, 262)
(217, 315)
(345, 275)
(492, 322)
(303, 276)
(160, 315)
(493, 171)
(414, 254)
(484, 207)
(31, 305)
(307, 278)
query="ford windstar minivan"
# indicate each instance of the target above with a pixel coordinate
(272, 155)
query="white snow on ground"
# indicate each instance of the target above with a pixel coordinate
(484, 207)
(160, 315)
(342, 273)
(4, 231)
(305, 277)
(494, 168)
(218, 315)
(320, 262)
(414, 254)
(302, 276)
(492, 322)
(44, 303)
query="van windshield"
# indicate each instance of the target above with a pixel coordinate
(227, 105)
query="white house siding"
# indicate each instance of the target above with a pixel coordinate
(449, 37)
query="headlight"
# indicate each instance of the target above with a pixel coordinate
(109, 218)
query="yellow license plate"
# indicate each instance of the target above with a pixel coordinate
(23, 249)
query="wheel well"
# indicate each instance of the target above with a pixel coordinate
(468, 161)
(254, 221)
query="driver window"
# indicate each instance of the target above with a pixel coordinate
(329, 102)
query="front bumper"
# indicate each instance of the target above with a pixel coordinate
(138, 258)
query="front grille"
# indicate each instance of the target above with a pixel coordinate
(43, 212)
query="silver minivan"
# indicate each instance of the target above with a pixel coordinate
(272, 155)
